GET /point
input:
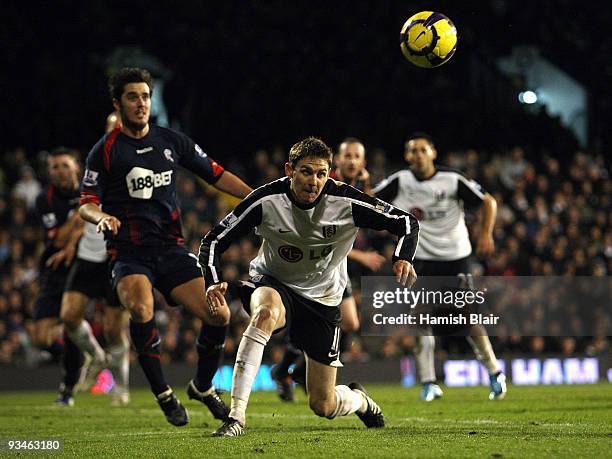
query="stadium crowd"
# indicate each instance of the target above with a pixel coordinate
(554, 219)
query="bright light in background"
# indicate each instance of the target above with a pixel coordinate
(527, 97)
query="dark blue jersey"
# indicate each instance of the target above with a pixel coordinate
(54, 207)
(135, 181)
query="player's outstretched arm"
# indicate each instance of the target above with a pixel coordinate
(369, 212)
(238, 223)
(486, 244)
(104, 222)
(232, 184)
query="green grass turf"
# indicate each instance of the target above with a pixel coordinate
(542, 421)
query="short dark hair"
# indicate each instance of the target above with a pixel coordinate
(60, 151)
(310, 147)
(117, 81)
(351, 140)
(421, 135)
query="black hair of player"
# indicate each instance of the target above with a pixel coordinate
(60, 151)
(117, 81)
(421, 135)
(310, 147)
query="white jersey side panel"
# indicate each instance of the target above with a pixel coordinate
(92, 246)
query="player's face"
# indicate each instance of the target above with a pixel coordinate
(308, 178)
(350, 159)
(63, 171)
(420, 154)
(134, 106)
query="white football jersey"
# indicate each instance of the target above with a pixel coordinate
(91, 245)
(437, 203)
(305, 247)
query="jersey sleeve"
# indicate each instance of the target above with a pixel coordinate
(95, 177)
(193, 158)
(369, 212)
(47, 215)
(238, 223)
(388, 189)
(469, 191)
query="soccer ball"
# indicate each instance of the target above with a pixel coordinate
(428, 39)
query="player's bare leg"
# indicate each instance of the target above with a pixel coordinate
(209, 344)
(329, 400)
(46, 331)
(115, 330)
(136, 294)
(268, 314)
(481, 345)
(349, 324)
(350, 315)
(79, 332)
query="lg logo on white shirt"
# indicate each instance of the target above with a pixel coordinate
(141, 182)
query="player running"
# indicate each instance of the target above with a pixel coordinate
(436, 196)
(89, 279)
(56, 206)
(131, 172)
(350, 168)
(308, 223)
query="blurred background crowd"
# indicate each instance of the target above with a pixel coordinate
(554, 219)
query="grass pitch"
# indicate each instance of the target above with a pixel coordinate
(542, 421)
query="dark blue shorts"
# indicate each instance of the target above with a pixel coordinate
(166, 268)
(92, 280)
(49, 301)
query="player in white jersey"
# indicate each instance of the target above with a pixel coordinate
(350, 168)
(437, 196)
(89, 279)
(308, 223)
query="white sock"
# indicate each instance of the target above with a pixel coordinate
(85, 340)
(348, 401)
(484, 353)
(120, 363)
(248, 360)
(424, 358)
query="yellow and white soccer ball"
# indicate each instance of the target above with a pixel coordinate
(428, 39)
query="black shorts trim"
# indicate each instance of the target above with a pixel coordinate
(442, 268)
(459, 277)
(92, 280)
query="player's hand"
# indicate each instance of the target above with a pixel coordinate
(486, 245)
(215, 297)
(372, 260)
(404, 272)
(70, 252)
(108, 223)
(56, 259)
(364, 175)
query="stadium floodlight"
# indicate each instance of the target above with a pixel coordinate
(527, 97)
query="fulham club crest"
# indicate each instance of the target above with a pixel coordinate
(329, 231)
